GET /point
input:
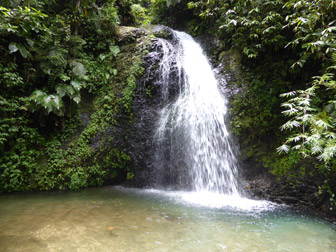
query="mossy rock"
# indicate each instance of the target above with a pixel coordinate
(164, 32)
(127, 34)
(232, 61)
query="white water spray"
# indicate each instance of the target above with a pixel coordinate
(193, 141)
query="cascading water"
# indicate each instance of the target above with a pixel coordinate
(192, 142)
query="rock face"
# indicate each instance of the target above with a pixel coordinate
(146, 106)
(303, 194)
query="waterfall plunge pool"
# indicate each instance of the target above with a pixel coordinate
(155, 220)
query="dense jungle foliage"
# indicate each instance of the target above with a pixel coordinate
(53, 52)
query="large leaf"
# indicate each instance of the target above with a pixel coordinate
(78, 68)
(76, 85)
(57, 102)
(38, 96)
(61, 90)
(58, 56)
(51, 103)
(102, 57)
(23, 50)
(70, 90)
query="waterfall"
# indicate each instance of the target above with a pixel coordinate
(192, 143)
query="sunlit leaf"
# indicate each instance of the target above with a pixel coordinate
(283, 148)
(77, 99)
(12, 47)
(76, 85)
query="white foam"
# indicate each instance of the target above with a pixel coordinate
(216, 200)
(210, 199)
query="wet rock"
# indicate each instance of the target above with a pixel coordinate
(209, 44)
(86, 108)
(304, 195)
(288, 200)
(164, 32)
(228, 73)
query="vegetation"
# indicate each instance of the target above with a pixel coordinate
(52, 53)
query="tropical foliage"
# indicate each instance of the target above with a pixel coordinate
(51, 53)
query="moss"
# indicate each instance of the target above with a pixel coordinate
(127, 34)
(232, 59)
(130, 68)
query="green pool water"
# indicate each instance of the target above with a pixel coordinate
(154, 220)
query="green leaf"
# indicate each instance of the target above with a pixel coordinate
(30, 42)
(61, 90)
(38, 96)
(78, 69)
(114, 50)
(64, 77)
(45, 67)
(23, 50)
(70, 90)
(76, 85)
(12, 47)
(102, 57)
(57, 102)
(77, 99)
